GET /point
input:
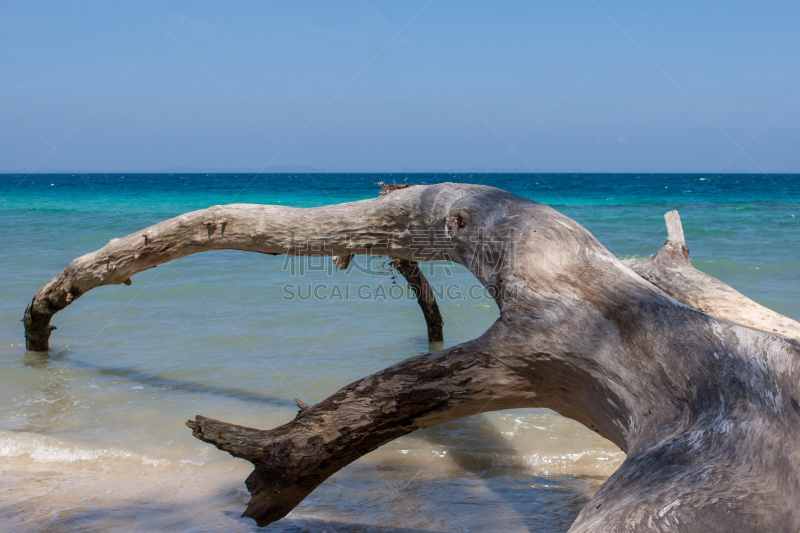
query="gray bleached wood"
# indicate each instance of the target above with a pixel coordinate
(674, 227)
(670, 270)
(705, 409)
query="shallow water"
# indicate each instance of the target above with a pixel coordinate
(92, 435)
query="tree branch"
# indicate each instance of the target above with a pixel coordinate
(671, 270)
(381, 226)
(293, 459)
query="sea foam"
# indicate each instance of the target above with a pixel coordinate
(47, 449)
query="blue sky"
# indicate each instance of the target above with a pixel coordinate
(547, 86)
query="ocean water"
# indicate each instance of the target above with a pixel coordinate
(92, 434)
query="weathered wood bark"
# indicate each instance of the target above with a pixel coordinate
(425, 297)
(670, 270)
(706, 410)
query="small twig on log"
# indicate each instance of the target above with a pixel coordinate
(301, 404)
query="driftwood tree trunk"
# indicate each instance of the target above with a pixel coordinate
(707, 410)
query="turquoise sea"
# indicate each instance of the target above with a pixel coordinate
(92, 435)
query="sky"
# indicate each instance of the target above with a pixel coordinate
(380, 86)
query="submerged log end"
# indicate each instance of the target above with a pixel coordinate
(411, 271)
(271, 498)
(436, 332)
(37, 329)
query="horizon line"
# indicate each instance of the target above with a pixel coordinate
(382, 172)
